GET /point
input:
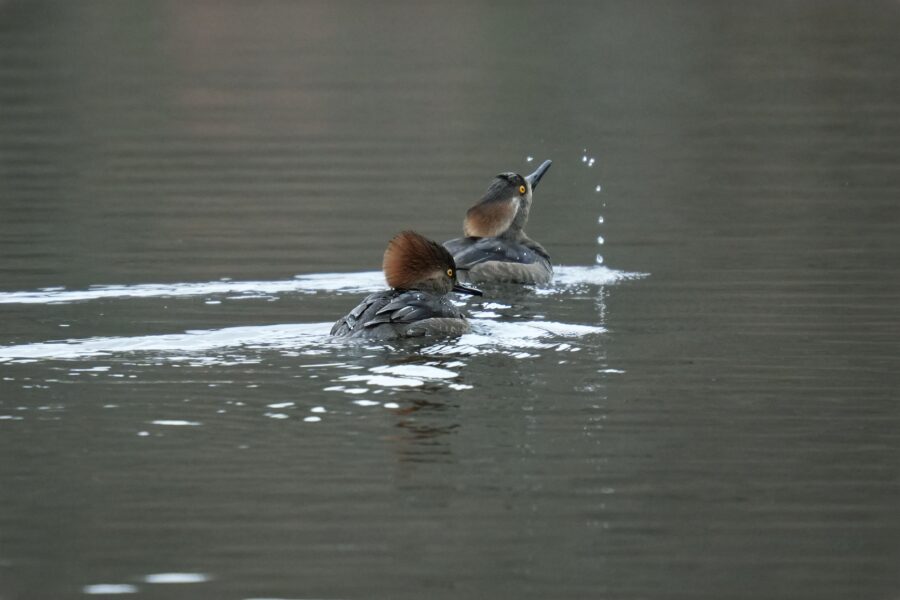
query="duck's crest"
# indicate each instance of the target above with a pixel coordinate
(411, 258)
(490, 218)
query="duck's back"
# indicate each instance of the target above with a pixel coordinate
(398, 313)
(498, 260)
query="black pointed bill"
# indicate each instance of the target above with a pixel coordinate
(535, 177)
(461, 289)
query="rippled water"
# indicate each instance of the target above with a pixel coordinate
(205, 346)
(704, 404)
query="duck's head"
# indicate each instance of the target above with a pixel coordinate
(413, 262)
(504, 208)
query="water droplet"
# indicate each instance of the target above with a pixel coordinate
(598, 188)
(600, 219)
(312, 419)
(600, 240)
(583, 158)
(591, 163)
(599, 259)
(529, 158)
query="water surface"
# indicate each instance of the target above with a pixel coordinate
(192, 193)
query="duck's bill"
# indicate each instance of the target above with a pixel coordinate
(462, 289)
(535, 177)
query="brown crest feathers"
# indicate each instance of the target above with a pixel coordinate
(410, 258)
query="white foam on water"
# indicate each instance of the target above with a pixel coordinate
(109, 588)
(511, 338)
(494, 306)
(399, 376)
(385, 381)
(205, 347)
(594, 275)
(268, 336)
(484, 314)
(177, 578)
(420, 371)
(358, 282)
(227, 346)
(366, 281)
(366, 403)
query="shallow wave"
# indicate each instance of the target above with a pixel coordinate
(330, 282)
(192, 341)
(209, 346)
(359, 282)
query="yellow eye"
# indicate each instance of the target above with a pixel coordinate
(522, 189)
(449, 272)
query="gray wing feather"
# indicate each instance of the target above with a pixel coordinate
(372, 302)
(470, 251)
(408, 307)
(394, 307)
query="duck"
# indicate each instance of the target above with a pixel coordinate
(496, 248)
(421, 274)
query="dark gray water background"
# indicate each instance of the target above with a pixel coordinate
(728, 429)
